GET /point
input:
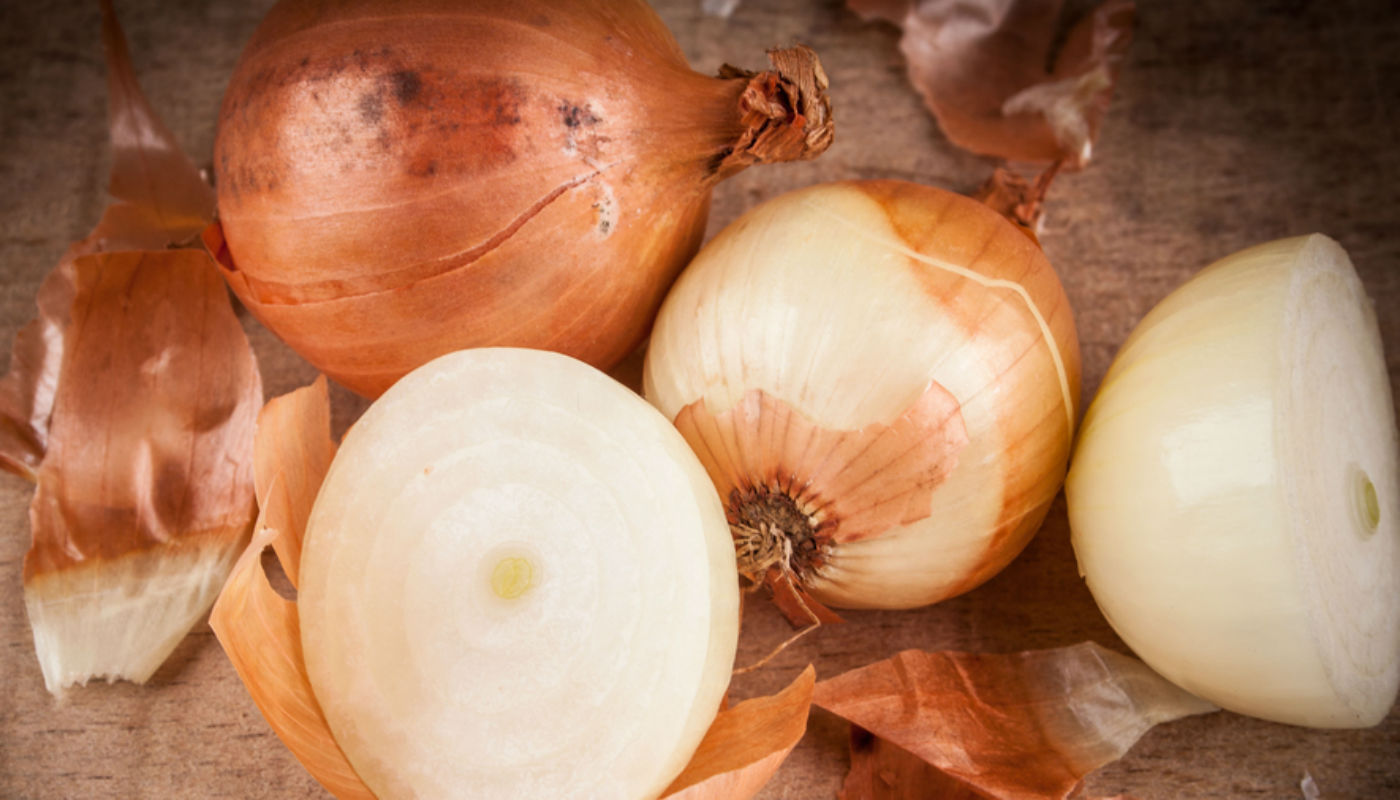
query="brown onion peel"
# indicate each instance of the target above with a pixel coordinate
(399, 183)
(291, 454)
(746, 744)
(130, 401)
(159, 199)
(1014, 726)
(145, 492)
(785, 516)
(258, 629)
(981, 68)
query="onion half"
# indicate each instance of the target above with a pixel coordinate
(1235, 498)
(400, 180)
(881, 379)
(516, 578)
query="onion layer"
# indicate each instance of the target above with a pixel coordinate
(1235, 499)
(881, 380)
(517, 578)
(397, 181)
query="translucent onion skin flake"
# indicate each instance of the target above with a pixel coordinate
(1013, 726)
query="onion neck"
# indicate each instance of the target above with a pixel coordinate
(718, 126)
(785, 112)
(1019, 200)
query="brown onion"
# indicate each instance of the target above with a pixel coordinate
(400, 180)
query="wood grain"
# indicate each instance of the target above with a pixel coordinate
(1235, 122)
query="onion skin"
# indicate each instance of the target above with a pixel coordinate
(1213, 501)
(903, 347)
(400, 181)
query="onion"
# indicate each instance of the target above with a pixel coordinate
(1234, 500)
(881, 379)
(516, 578)
(397, 181)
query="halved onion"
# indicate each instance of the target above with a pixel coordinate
(517, 578)
(1234, 496)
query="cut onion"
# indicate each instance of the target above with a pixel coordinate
(1234, 496)
(517, 578)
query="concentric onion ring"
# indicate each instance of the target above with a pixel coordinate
(517, 578)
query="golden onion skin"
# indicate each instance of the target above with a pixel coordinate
(399, 181)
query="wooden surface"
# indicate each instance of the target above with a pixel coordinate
(1234, 123)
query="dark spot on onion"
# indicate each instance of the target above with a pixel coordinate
(501, 100)
(406, 85)
(371, 108)
(576, 115)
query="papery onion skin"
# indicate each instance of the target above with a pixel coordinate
(595, 676)
(905, 343)
(397, 181)
(1216, 502)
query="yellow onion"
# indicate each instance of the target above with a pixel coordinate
(400, 180)
(881, 379)
(1235, 496)
(516, 581)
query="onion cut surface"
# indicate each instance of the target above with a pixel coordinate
(884, 373)
(1235, 499)
(517, 582)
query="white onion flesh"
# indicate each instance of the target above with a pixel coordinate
(517, 582)
(1234, 496)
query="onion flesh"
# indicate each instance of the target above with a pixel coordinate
(1235, 498)
(517, 578)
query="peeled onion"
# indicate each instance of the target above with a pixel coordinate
(881, 379)
(400, 180)
(516, 578)
(1235, 498)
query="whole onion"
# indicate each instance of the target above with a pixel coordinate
(881, 379)
(400, 180)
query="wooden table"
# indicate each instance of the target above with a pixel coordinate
(1235, 122)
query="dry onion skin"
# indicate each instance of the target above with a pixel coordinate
(881, 379)
(1012, 726)
(397, 181)
(516, 578)
(1235, 498)
(982, 67)
(130, 403)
